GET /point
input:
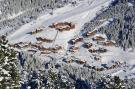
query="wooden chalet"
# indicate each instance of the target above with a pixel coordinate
(54, 49)
(100, 50)
(76, 40)
(67, 60)
(80, 62)
(73, 49)
(44, 39)
(87, 45)
(109, 43)
(36, 31)
(93, 50)
(99, 69)
(91, 33)
(98, 38)
(63, 26)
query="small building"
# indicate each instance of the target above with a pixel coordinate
(63, 26)
(99, 69)
(98, 38)
(91, 33)
(99, 50)
(109, 43)
(93, 50)
(37, 31)
(74, 41)
(80, 62)
(68, 60)
(102, 50)
(87, 45)
(44, 39)
(73, 49)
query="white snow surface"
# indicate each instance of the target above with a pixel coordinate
(79, 14)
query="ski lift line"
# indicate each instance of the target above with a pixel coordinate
(55, 38)
(89, 4)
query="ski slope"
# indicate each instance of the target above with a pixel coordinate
(78, 14)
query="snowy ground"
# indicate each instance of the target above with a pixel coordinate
(79, 14)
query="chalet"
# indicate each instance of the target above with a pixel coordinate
(92, 33)
(67, 60)
(72, 26)
(99, 69)
(35, 46)
(102, 50)
(80, 62)
(92, 50)
(26, 45)
(44, 40)
(65, 26)
(74, 41)
(57, 48)
(109, 43)
(113, 66)
(54, 50)
(73, 49)
(88, 45)
(54, 25)
(86, 65)
(98, 38)
(36, 31)
(118, 63)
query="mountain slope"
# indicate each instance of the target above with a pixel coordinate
(78, 43)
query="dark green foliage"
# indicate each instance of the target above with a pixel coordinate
(121, 26)
(113, 83)
(9, 77)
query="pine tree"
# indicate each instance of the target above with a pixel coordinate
(9, 77)
(113, 83)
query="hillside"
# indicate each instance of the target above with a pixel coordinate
(71, 42)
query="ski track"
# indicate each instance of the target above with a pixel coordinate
(77, 10)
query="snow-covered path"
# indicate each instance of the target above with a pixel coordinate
(81, 14)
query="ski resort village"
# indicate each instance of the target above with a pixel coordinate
(67, 44)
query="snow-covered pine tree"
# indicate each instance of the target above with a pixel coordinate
(9, 78)
(113, 83)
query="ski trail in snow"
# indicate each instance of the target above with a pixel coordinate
(84, 7)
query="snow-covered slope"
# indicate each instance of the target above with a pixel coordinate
(113, 62)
